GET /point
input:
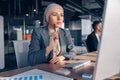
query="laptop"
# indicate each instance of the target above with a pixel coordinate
(77, 64)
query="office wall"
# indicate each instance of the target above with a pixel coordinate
(86, 26)
(1, 43)
(75, 30)
(76, 35)
(75, 25)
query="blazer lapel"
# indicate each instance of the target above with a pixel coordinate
(62, 38)
(46, 36)
(96, 40)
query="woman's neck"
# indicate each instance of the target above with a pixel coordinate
(52, 28)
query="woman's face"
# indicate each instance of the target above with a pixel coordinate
(56, 18)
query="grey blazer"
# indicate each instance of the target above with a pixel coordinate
(40, 40)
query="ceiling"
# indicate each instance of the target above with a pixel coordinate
(33, 9)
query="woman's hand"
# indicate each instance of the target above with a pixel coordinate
(57, 60)
(53, 42)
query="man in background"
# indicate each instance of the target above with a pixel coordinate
(94, 38)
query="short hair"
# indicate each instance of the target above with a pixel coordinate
(48, 10)
(95, 23)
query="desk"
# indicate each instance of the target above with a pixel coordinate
(53, 67)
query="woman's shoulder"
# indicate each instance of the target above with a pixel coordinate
(41, 28)
(64, 30)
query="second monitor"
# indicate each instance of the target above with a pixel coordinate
(108, 60)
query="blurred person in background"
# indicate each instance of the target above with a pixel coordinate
(94, 38)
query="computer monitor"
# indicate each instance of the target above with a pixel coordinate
(1, 43)
(108, 59)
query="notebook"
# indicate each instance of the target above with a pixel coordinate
(77, 64)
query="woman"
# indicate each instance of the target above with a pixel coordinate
(50, 43)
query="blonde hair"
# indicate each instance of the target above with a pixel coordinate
(48, 10)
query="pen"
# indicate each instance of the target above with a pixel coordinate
(55, 31)
(56, 62)
(54, 28)
(117, 79)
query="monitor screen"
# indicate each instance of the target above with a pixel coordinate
(108, 59)
(1, 43)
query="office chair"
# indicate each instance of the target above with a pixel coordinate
(21, 48)
(85, 45)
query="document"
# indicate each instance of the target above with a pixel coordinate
(36, 74)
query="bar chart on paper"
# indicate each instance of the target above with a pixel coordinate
(27, 77)
(36, 74)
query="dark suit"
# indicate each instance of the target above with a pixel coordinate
(92, 42)
(40, 40)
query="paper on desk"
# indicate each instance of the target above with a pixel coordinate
(37, 74)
